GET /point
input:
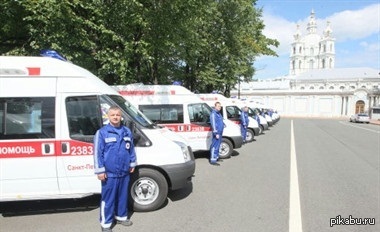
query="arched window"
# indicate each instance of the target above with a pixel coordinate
(311, 51)
(302, 88)
(311, 64)
(331, 87)
(341, 87)
(300, 50)
(323, 63)
(352, 87)
(321, 87)
(299, 64)
(294, 50)
(311, 87)
(293, 64)
(330, 63)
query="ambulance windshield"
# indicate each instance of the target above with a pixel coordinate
(132, 111)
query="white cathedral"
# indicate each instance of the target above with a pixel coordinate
(314, 87)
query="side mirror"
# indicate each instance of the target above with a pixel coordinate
(132, 126)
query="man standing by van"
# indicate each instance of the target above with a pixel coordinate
(114, 159)
(244, 120)
(217, 126)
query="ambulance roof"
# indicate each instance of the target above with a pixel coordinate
(141, 89)
(39, 66)
(214, 97)
(157, 94)
(25, 67)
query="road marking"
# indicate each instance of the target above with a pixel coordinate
(357, 126)
(295, 219)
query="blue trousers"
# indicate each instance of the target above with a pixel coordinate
(114, 200)
(214, 150)
(243, 130)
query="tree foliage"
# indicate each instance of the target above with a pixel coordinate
(207, 45)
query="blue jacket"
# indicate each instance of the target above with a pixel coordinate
(114, 151)
(257, 118)
(244, 120)
(217, 124)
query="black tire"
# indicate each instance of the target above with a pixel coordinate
(250, 136)
(148, 190)
(226, 149)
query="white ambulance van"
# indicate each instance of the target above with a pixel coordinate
(231, 112)
(262, 109)
(180, 110)
(254, 113)
(49, 112)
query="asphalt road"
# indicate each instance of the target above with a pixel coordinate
(336, 180)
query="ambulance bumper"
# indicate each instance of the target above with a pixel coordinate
(256, 130)
(180, 174)
(237, 141)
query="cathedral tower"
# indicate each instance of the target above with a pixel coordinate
(312, 51)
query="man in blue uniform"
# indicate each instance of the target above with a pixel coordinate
(217, 126)
(244, 120)
(114, 160)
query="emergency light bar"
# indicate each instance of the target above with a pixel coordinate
(52, 54)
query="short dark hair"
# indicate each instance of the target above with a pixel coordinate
(114, 107)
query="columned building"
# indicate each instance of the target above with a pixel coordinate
(314, 87)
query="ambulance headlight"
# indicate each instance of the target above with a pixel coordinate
(185, 151)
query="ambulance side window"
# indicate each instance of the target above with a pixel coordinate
(84, 117)
(27, 117)
(166, 113)
(233, 112)
(199, 113)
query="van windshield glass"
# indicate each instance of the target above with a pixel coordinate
(131, 110)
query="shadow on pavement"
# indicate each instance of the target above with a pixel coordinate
(21, 208)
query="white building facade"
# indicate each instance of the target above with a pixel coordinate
(314, 88)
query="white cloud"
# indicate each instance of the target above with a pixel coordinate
(281, 30)
(373, 47)
(352, 25)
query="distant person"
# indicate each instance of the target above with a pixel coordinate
(114, 159)
(244, 120)
(217, 126)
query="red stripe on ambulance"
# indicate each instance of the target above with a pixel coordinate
(186, 127)
(47, 148)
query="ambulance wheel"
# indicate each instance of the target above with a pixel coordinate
(250, 136)
(149, 190)
(225, 149)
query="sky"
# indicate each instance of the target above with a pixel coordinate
(355, 26)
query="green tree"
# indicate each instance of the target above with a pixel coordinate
(208, 45)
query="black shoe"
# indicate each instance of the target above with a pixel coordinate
(106, 229)
(215, 164)
(219, 160)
